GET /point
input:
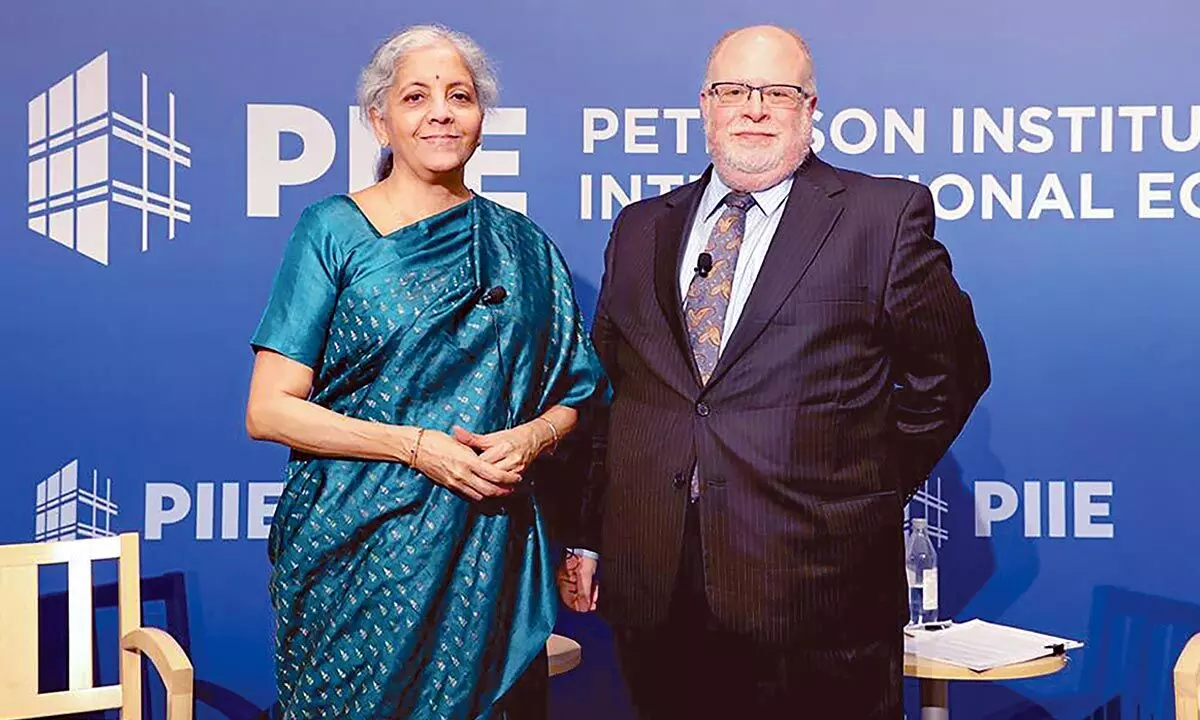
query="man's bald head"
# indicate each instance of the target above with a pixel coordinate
(781, 42)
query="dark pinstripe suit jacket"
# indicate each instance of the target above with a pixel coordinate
(854, 365)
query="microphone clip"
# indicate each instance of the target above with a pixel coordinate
(494, 295)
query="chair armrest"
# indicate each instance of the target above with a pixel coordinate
(1187, 681)
(168, 659)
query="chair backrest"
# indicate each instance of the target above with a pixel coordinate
(19, 696)
(1187, 681)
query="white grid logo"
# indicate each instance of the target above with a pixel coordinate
(65, 511)
(932, 507)
(71, 183)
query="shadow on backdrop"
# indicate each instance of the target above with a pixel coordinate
(1133, 642)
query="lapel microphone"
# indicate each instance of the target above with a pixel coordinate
(703, 268)
(494, 295)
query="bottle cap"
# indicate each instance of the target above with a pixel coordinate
(919, 523)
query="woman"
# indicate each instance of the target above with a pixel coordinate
(420, 349)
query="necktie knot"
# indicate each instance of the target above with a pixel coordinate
(741, 201)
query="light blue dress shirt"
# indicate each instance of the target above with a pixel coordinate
(762, 219)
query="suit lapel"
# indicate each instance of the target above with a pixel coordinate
(671, 232)
(812, 210)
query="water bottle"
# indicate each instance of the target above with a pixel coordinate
(921, 563)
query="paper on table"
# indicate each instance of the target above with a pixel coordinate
(980, 645)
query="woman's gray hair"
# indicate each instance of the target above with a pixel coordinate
(379, 74)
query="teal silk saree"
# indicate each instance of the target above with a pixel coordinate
(395, 597)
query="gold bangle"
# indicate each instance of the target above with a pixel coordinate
(553, 431)
(416, 446)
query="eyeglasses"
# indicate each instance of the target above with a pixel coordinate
(778, 96)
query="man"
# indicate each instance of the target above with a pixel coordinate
(790, 356)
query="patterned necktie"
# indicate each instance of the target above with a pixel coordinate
(708, 297)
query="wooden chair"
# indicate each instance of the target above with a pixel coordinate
(1187, 681)
(19, 696)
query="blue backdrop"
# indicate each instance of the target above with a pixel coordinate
(155, 156)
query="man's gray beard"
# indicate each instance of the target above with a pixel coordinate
(769, 163)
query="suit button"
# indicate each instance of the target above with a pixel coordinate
(677, 481)
(702, 409)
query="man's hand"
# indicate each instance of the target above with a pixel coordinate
(576, 583)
